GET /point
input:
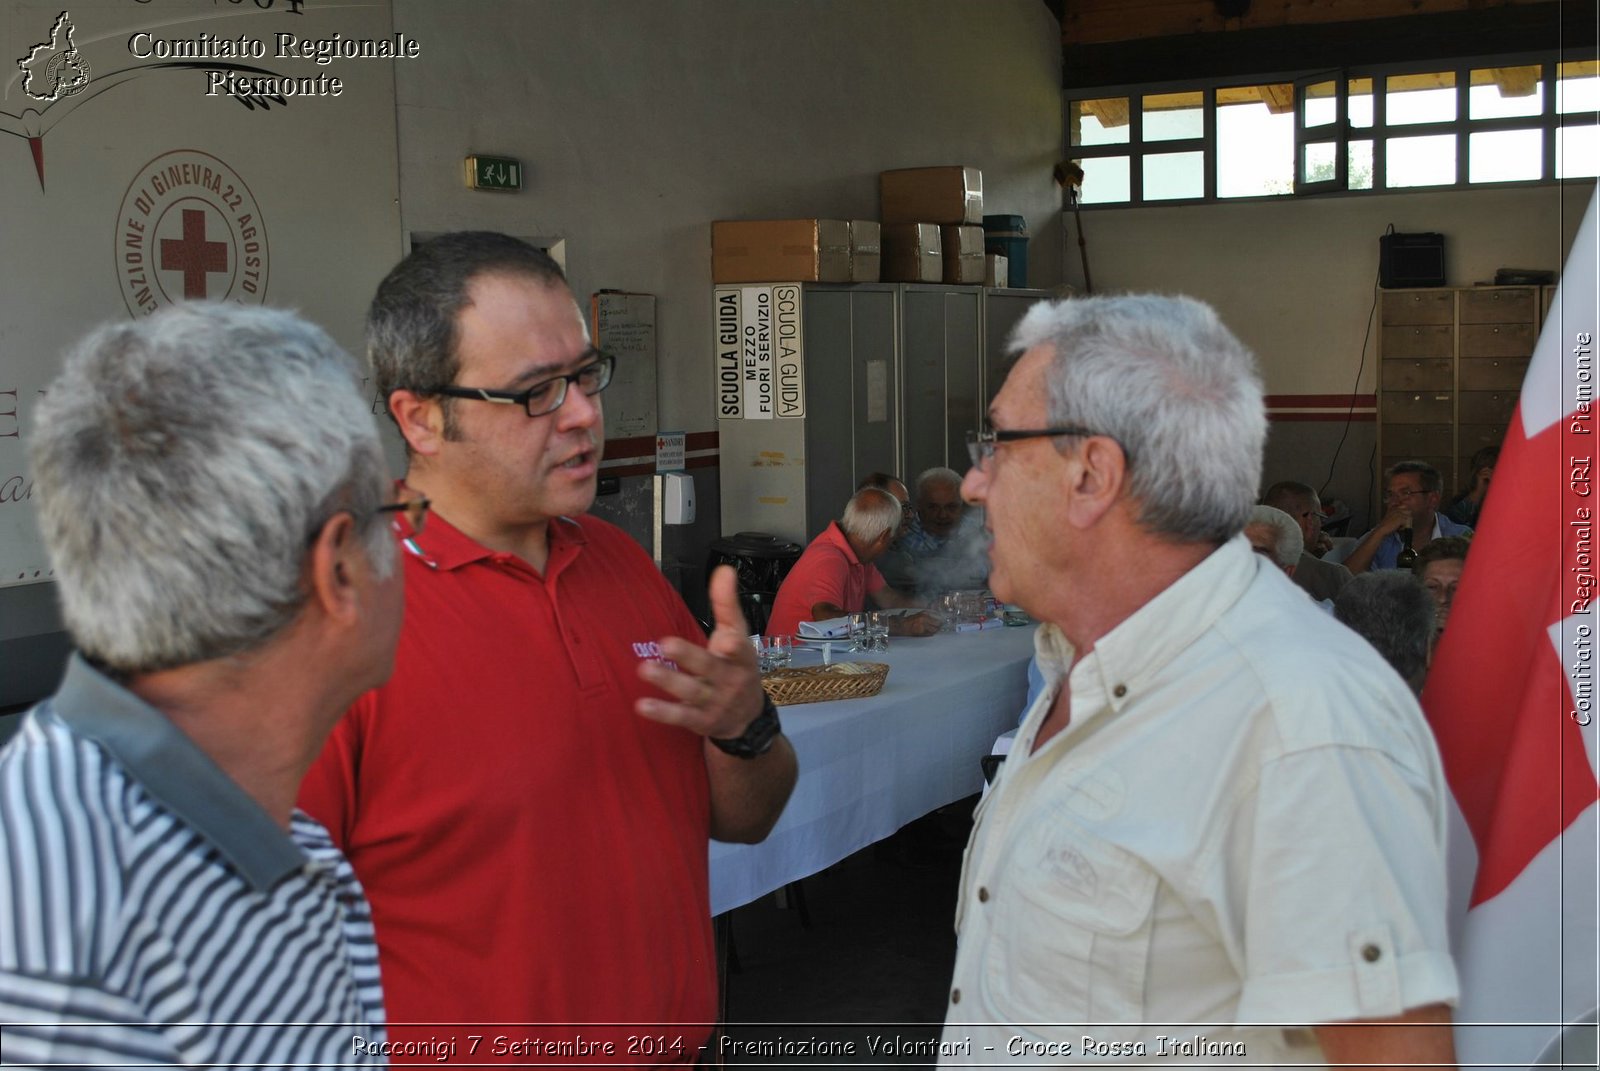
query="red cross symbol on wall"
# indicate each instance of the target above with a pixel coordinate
(193, 255)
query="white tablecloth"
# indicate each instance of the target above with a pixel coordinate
(869, 766)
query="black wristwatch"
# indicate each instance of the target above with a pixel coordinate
(757, 738)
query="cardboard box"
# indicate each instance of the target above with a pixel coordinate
(780, 251)
(932, 195)
(963, 254)
(994, 271)
(912, 253)
(866, 251)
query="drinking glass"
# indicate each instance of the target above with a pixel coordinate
(857, 630)
(877, 632)
(777, 652)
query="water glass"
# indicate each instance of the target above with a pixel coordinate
(777, 652)
(857, 630)
(877, 632)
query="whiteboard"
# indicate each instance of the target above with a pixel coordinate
(624, 325)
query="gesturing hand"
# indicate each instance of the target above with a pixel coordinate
(718, 686)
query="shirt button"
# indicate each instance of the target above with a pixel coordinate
(983, 895)
(1371, 953)
(955, 996)
(1120, 690)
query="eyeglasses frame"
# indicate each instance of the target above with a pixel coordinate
(414, 510)
(981, 444)
(605, 361)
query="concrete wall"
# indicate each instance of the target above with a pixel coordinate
(641, 122)
(1295, 280)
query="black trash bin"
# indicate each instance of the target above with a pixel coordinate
(762, 561)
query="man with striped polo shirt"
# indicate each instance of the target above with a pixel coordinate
(213, 498)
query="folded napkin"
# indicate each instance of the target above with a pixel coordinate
(979, 626)
(834, 628)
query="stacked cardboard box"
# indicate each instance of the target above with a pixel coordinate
(780, 251)
(795, 250)
(995, 271)
(932, 195)
(866, 251)
(912, 253)
(907, 247)
(963, 254)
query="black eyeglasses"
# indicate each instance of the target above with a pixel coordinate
(1400, 494)
(412, 506)
(981, 444)
(414, 510)
(545, 396)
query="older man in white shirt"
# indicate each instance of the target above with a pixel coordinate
(1220, 834)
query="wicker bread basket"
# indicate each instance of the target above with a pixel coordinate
(821, 684)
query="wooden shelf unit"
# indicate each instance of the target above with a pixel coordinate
(1450, 366)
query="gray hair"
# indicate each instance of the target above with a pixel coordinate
(883, 481)
(183, 463)
(1395, 614)
(937, 475)
(1427, 475)
(411, 324)
(870, 512)
(1177, 391)
(1289, 541)
(1290, 495)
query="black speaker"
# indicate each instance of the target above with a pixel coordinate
(1406, 260)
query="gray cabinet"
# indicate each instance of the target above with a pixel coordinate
(895, 375)
(941, 354)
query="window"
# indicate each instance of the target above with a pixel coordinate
(1523, 119)
(1255, 140)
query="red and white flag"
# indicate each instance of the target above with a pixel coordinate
(1512, 699)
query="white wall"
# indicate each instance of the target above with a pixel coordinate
(640, 122)
(1295, 279)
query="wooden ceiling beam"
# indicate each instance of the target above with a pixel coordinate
(1500, 29)
(1094, 22)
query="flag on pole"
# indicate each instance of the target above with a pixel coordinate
(1512, 700)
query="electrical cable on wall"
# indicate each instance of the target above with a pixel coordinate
(1349, 416)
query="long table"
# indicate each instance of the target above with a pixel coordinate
(869, 766)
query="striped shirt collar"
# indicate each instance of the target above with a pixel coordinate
(169, 766)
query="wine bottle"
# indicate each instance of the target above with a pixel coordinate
(1408, 555)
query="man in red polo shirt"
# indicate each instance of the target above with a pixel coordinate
(836, 576)
(528, 801)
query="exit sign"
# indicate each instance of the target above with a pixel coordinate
(494, 173)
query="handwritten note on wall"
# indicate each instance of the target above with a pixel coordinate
(624, 325)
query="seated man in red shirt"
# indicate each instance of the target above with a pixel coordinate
(835, 575)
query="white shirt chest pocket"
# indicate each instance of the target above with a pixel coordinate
(1072, 922)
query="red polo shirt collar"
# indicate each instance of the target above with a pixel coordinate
(835, 535)
(442, 546)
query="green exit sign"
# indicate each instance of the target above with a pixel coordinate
(494, 173)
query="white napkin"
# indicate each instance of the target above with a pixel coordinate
(834, 628)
